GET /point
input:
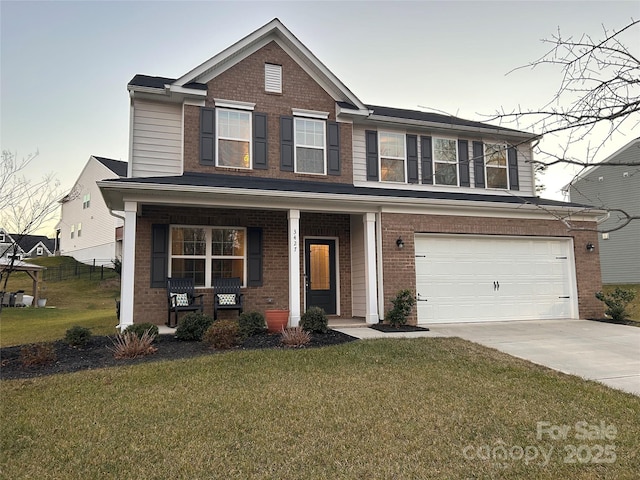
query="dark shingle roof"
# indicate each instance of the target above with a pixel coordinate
(28, 242)
(282, 185)
(432, 117)
(116, 166)
(160, 82)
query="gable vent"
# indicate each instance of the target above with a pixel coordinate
(272, 78)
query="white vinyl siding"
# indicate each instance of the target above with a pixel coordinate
(525, 171)
(157, 139)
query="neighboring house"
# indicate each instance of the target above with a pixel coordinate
(87, 229)
(612, 186)
(261, 164)
(28, 246)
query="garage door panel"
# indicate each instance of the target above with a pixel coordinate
(459, 275)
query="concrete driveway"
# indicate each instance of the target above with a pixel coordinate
(598, 351)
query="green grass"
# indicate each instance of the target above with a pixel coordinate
(80, 301)
(368, 409)
(634, 307)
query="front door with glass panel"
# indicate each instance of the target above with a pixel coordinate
(320, 275)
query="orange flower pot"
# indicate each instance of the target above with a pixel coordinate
(277, 320)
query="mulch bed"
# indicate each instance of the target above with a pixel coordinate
(386, 328)
(96, 353)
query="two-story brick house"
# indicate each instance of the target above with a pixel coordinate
(261, 164)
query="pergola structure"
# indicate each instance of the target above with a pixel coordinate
(32, 270)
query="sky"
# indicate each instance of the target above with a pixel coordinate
(64, 66)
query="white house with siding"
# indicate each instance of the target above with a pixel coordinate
(613, 185)
(87, 229)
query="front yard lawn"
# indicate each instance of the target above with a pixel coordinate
(421, 408)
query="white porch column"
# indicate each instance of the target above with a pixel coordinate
(128, 264)
(370, 270)
(294, 268)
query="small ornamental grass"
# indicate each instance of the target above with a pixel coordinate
(295, 337)
(37, 354)
(130, 345)
(222, 335)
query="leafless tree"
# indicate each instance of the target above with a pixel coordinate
(598, 100)
(25, 205)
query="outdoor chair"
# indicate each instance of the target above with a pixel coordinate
(226, 295)
(181, 297)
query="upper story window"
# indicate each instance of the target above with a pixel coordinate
(79, 230)
(86, 201)
(2, 237)
(272, 78)
(495, 159)
(445, 161)
(234, 138)
(205, 253)
(39, 251)
(310, 146)
(392, 156)
(73, 230)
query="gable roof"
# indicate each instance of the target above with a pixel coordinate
(28, 242)
(116, 166)
(621, 155)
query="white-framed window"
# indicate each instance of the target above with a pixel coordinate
(495, 164)
(79, 230)
(392, 148)
(2, 237)
(39, 251)
(86, 201)
(272, 78)
(73, 230)
(445, 161)
(233, 129)
(205, 253)
(310, 152)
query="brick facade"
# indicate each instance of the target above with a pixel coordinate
(399, 265)
(299, 90)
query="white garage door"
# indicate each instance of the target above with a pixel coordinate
(494, 278)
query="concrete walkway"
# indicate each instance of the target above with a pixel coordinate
(598, 351)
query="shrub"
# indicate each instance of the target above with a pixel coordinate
(37, 354)
(222, 335)
(295, 337)
(193, 326)
(250, 324)
(77, 336)
(402, 305)
(617, 302)
(314, 320)
(130, 345)
(140, 328)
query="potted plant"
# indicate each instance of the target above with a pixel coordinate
(277, 319)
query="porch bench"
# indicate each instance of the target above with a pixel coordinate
(226, 295)
(181, 297)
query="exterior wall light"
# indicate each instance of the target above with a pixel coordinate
(400, 243)
(590, 247)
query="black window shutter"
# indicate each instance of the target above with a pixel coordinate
(513, 168)
(463, 159)
(371, 137)
(159, 255)
(478, 163)
(286, 144)
(254, 257)
(412, 158)
(207, 136)
(260, 141)
(333, 148)
(426, 157)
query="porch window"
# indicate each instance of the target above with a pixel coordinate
(392, 157)
(495, 155)
(310, 146)
(234, 138)
(445, 161)
(205, 253)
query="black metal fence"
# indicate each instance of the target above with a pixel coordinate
(69, 272)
